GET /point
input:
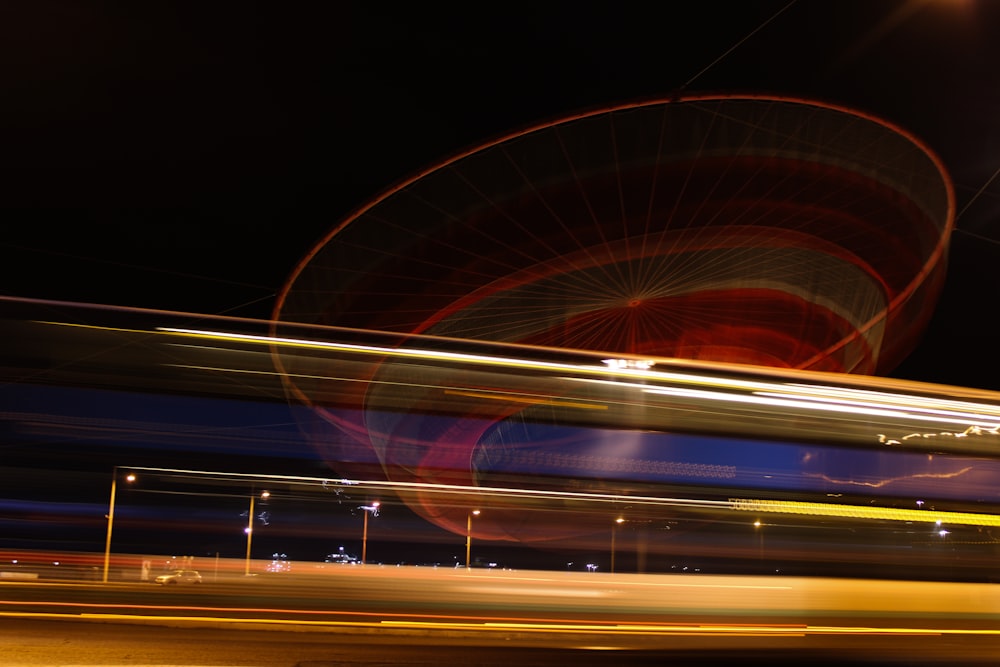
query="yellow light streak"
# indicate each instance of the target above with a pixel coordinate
(787, 394)
(523, 398)
(721, 629)
(777, 395)
(836, 400)
(892, 398)
(814, 403)
(738, 504)
(863, 512)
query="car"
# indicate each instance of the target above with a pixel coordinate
(341, 558)
(179, 577)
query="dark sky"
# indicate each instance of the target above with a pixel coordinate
(185, 155)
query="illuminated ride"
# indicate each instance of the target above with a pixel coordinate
(755, 230)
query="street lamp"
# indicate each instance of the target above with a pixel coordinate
(373, 510)
(614, 533)
(468, 538)
(130, 477)
(758, 526)
(264, 495)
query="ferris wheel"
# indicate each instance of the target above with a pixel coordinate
(758, 230)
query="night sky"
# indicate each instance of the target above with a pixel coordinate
(185, 155)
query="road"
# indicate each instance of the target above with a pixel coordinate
(375, 615)
(40, 643)
(379, 594)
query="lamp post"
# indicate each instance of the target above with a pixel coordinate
(369, 509)
(111, 518)
(468, 538)
(758, 526)
(249, 529)
(614, 533)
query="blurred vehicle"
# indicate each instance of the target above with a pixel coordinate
(179, 577)
(342, 558)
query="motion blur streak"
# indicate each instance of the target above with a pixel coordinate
(645, 492)
(748, 629)
(839, 402)
(617, 602)
(459, 494)
(861, 512)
